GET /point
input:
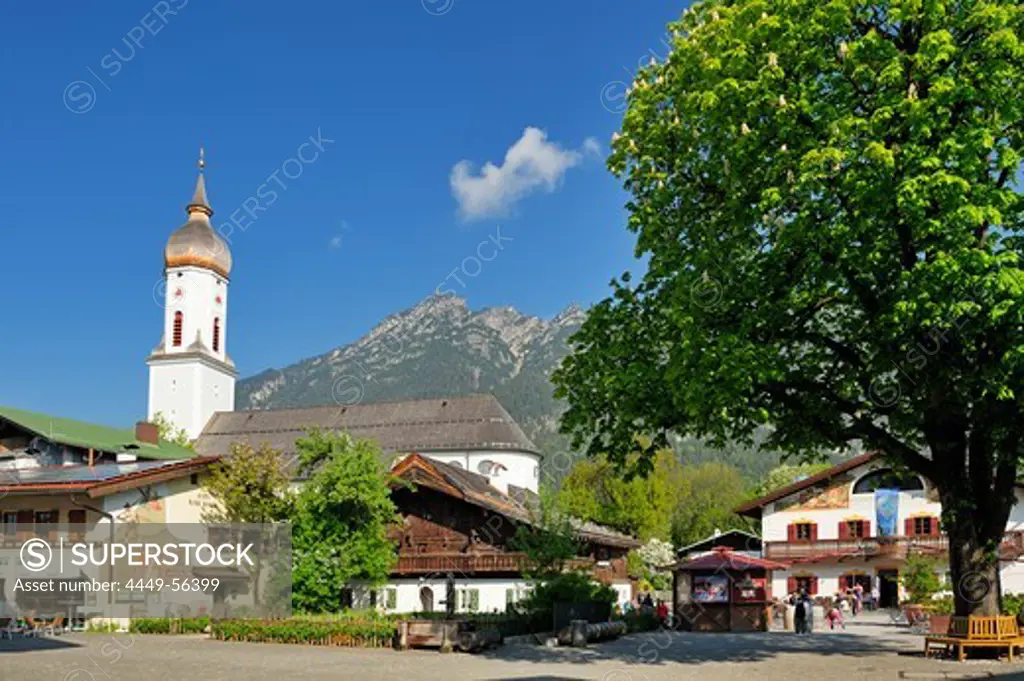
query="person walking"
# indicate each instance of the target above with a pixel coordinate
(803, 618)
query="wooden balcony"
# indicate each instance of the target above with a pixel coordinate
(874, 547)
(459, 563)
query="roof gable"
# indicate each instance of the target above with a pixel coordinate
(754, 507)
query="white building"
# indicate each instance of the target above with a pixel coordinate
(826, 527)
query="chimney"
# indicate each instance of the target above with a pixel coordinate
(147, 432)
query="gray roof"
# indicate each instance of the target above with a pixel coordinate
(474, 422)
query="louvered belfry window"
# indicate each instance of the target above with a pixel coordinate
(176, 333)
(216, 334)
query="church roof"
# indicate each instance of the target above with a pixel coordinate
(196, 243)
(470, 423)
(84, 435)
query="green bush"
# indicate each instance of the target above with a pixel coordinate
(371, 631)
(1012, 603)
(164, 625)
(643, 620)
(920, 579)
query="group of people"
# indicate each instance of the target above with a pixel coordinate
(851, 599)
(645, 602)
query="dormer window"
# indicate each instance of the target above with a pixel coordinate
(179, 320)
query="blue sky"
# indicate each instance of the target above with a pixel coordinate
(108, 102)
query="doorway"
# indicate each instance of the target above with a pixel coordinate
(888, 588)
(426, 599)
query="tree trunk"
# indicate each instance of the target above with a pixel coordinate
(974, 570)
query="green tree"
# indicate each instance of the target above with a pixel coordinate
(596, 490)
(168, 431)
(707, 497)
(248, 485)
(824, 191)
(787, 474)
(341, 519)
(549, 540)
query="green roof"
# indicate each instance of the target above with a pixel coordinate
(89, 435)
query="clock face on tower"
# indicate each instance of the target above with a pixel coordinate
(218, 300)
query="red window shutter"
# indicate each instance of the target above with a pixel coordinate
(908, 527)
(867, 528)
(814, 531)
(791, 533)
(26, 517)
(791, 584)
(935, 527)
(814, 586)
(844, 529)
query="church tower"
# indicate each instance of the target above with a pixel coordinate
(191, 375)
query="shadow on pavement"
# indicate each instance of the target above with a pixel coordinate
(32, 645)
(664, 647)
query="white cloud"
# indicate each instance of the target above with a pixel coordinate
(532, 163)
(335, 242)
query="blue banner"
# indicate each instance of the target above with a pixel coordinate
(887, 511)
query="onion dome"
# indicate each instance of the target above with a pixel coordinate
(195, 243)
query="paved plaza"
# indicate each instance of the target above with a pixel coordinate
(869, 649)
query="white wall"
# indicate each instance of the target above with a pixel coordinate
(521, 468)
(198, 304)
(186, 390)
(493, 593)
(774, 523)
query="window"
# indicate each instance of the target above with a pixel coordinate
(795, 585)
(468, 600)
(391, 599)
(457, 464)
(487, 467)
(176, 333)
(216, 334)
(886, 478)
(10, 523)
(47, 517)
(853, 529)
(923, 526)
(803, 531)
(194, 479)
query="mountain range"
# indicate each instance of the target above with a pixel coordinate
(438, 348)
(441, 348)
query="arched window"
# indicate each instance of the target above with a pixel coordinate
(457, 464)
(216, 334)
(487, 467)
(886, 478)
(176, 333)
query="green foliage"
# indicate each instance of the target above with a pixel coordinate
(167, 431)
(824, 192)
(706, 501)
(249, 485)
(102, 627)
(640, 621)
(920, 579)
(786, 474)
(341, 520)
(1012, 603)
(549, 543)
(568, 587)
(366, 630)
(164, 625)
(641, 506)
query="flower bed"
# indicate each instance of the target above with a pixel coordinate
(372, 632)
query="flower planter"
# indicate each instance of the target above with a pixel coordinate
(939, 624)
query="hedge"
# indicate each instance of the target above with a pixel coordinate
(164, 625)
(371, 632)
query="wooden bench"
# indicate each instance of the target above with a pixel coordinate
(977, 631)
